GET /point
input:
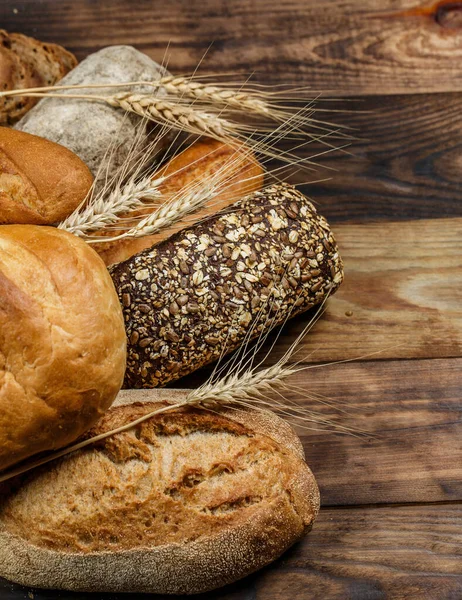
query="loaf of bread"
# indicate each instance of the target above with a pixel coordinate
(41, 182)
(197, 295)
(62, 340)
(25, 62)
(185, 502)
(234, 172)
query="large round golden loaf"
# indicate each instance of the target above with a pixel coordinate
(62, 340)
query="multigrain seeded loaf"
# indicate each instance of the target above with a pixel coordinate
(197, 294)
(186, 502)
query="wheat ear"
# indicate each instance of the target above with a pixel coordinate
(244, 98)
(183, 117)
(212, 94)
(190, 199)
(166, 214)
(105, 210)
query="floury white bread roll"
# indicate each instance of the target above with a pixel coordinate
(198, 294)
(183, 503)
(90, 128)
(62, 340)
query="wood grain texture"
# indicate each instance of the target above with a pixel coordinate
(386, 553)
(342, 47)
(411, 416)
(401, 553)
(401, 298)
(395, 205)
(405, 164)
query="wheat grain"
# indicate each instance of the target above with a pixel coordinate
(105, 210)
(185, 118)
(239, 100)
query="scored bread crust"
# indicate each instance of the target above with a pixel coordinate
(24, 63)
(265, 422)
(47, 62)
(250, 538)
(14, 74)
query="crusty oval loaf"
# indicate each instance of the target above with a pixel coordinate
(186, 502)
(235, 173)
(62, 340)
(41, 182)
(199, 293)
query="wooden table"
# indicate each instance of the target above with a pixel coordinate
(391, 523)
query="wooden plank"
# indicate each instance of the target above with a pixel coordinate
(368, 553)
(397, 553)
(344, 47)
(405, 164)
(411, 412)
(401, 298)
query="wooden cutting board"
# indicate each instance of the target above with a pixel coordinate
(391, 524)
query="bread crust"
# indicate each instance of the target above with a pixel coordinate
(26, 62)
(41, 182)
(203, 159)
(240, 543)
(265, 422)
(62, 340)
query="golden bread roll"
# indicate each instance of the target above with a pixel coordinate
(41, 182)
(239, 173)
(62, 340)
(183, 503)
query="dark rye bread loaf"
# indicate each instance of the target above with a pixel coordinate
(185, 502)
(198, 293)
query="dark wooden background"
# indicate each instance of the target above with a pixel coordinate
(391, 524)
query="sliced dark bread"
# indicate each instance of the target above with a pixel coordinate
(26, 62)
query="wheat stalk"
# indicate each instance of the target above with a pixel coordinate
(191, 119)
(190, 199)
(167, 214)
(105, 210)
(163, 112)
(244, 388)
(239, 100)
